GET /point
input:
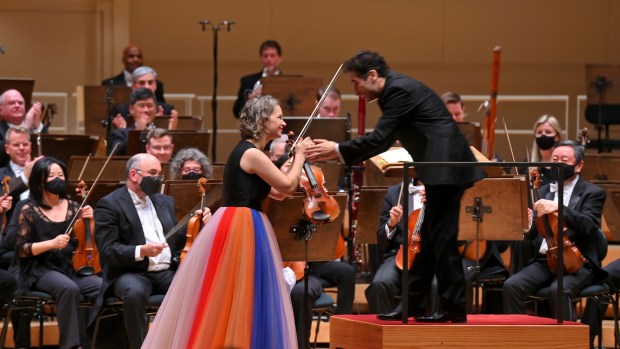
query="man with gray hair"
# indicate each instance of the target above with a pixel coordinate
(13, 113)
(137, 258)
(145, 77)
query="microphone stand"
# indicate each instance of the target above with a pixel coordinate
(108, 121)
(216, 29)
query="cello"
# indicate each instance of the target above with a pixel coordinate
(194, 224)
(547, 226)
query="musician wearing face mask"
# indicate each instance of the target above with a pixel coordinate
(190, 164)
(270, 53)
(136, 258)
(548, 132)
(44, 250)
(582, 210)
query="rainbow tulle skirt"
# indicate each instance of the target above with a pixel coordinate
(229, 292)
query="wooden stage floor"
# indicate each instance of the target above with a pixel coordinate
(480, 331)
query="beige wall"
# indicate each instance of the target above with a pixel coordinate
(447, 44)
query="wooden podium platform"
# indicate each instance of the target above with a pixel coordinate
(480, 331)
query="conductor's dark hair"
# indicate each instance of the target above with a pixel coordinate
(365, 61)
(38, 177)
(270, 44)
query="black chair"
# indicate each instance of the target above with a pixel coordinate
(599, 293)
(609, 114)
(113, 306)
(324, 305)
(35, 300)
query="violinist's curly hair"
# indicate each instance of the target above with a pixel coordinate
(254, 116)
(176, 164)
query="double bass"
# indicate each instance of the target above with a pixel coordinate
(547, 226)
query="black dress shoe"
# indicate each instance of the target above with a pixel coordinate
(393, 316)
(442, 317)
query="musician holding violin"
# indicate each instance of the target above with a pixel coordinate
(45, 251)
(386, 284)
(583, 207)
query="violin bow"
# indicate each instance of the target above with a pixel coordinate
(316, 109)
(510, 145)
(70, 227)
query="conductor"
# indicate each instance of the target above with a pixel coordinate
(414, 115)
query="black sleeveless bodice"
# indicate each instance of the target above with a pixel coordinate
(242, 189)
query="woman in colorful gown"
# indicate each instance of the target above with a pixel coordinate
(230, 291)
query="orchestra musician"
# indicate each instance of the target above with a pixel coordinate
(270, 54)
(455, 105)
(45, 250)
(132, 59)
(13, 113)
(582, 207)
(145, 77)
(143, 109)
(417, 117)
(159, 144)
(190, 164)
(136, 258)
(331, 105)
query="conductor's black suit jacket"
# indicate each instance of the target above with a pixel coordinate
(417, 117)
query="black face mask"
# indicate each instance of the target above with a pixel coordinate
(569, 171)
(545, 142)
(150, 185)
(192, 176)
(56, 186)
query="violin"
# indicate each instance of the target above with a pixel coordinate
(547, 225)
(5, 189)
(319, 206)
(416, 217)
(473, 254)
(86, 256)
(195, 223)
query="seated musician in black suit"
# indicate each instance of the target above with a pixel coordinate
(145, 77)
(582, 207)
(13, 113)
(132, 59)
(143, 108)
(159, 144)
(137, 260)
(270, 54)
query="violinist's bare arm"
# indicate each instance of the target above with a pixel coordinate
(255, 161)
(274, 194)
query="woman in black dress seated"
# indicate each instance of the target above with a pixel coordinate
(44, 252)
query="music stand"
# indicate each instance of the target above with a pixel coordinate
(335, 129)
(603, 96)
(24, 86)
(63, 146)
(186, 195)
(296, 93)
(184, 123)
(471, 131)
(482, 219)
(93, 107)
(368, 213)
(319, 241)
